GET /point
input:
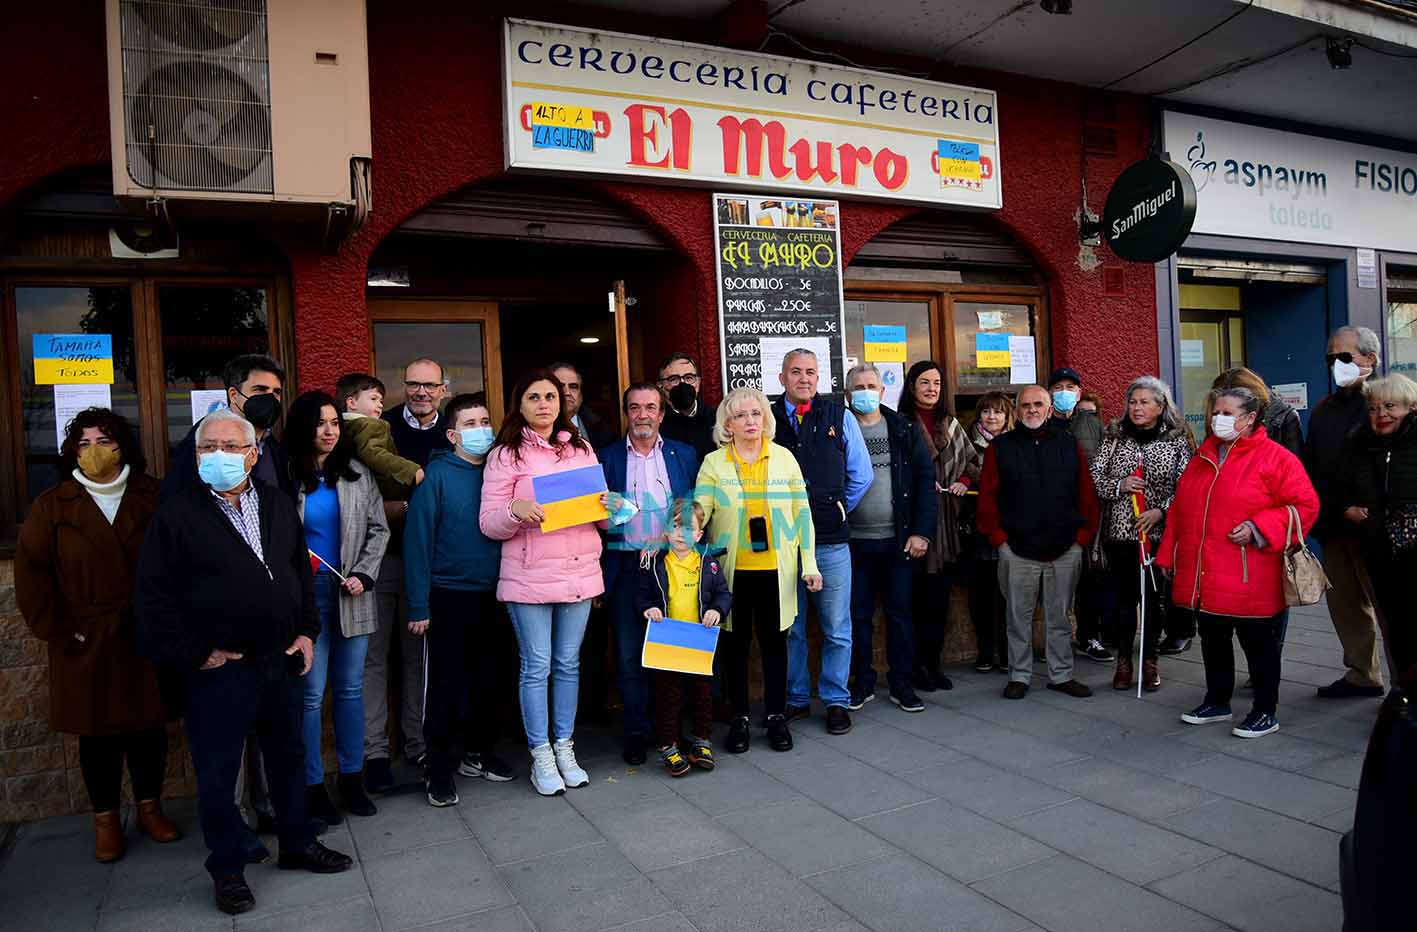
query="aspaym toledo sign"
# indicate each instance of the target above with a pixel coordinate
(604, 103)
(1149, 211)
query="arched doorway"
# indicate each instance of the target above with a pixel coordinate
(517, 273)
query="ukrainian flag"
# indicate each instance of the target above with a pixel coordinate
(571, 497)
(679, 647)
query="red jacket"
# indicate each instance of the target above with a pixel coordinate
(1258, 479)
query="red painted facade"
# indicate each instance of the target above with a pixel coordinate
(435, 83)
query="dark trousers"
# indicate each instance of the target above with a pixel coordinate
(1392, 577)
(672, 692)
(628, 627)
(755, 608)
(1260, 642)
(1097, 602)
(222, 706)
(101, 762)
(595, 650)
(1126, 568)
(879, 567)
(461, 650)
(987, 607)
(930, 598)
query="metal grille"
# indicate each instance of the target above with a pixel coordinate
(196, 94)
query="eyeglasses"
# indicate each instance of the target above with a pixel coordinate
(425, 387)
(672, 380)
(1388, 407)
(1330, 358)
(752, 414)
(228, 447)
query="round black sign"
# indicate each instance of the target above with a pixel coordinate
(1149, 211)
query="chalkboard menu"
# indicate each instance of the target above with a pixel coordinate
(779, 288)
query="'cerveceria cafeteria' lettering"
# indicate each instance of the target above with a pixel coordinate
(861, 96)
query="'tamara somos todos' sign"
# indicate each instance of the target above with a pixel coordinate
(610, 104)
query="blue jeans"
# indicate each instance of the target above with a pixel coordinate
(629, 628)
(834, 613)
(549, 637)
(879, 567)
(339, 659)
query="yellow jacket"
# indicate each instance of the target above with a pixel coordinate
(720, 494)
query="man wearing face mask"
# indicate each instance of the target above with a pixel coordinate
(650, 471)
(688, 420)
(450, 575)
(890, 527)
(1353, 356)
(255, 384)
(1065, 388)
(224, 594)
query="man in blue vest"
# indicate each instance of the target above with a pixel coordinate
(651, 472)
(831, 452)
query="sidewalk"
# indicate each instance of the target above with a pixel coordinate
(978, 814)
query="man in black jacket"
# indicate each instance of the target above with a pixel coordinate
(891, 526)
(688, 420)
(225, 596)
(1353, 354)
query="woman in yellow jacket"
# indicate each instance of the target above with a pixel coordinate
(755, 502)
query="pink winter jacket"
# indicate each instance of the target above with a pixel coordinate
(538, 567)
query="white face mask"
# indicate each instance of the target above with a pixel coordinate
(1347, 373)
(1223, 426)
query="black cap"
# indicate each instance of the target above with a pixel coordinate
(1064, 373)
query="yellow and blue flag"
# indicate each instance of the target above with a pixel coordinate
(679, 647)
(571, 497)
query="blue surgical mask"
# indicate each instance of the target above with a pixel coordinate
(865, 401)
(1064, 400)
(222, 471)
(476, 441)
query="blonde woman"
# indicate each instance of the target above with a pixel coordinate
(755, 507)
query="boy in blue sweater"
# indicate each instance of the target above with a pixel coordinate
(450, 574)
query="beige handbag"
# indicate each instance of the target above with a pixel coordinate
(1304, 579)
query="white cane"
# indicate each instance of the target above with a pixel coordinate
(1141, 627)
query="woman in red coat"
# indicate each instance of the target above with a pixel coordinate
(1224, 540)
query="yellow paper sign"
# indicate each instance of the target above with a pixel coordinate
(960, 168)
(992, 359)
(562, 115)
(884, 352)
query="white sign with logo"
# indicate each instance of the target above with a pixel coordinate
(1294, 394)
(1270, 184)
(605, 103)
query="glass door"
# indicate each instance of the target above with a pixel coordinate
(463, 336)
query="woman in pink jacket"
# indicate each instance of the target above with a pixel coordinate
(548, 578)
(1224, 543)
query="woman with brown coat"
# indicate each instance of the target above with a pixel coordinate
(74, 568)
(957, 464)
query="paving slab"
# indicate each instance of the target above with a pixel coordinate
(887, 747)
(745, 890)
(356, 915)
(437, 882)
(585, 888)
(1249, 897)
(842, 783)
(1278, 842)
(735, 784)
(664, 833)
(805, 837)
(983, 788)
(506, 919)
(503, 829)
(1135, 792)
(405, 821)
(1287, 793)
(956, 841)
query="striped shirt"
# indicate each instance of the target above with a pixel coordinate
(246, 520)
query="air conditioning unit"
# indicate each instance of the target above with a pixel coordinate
(241, 108)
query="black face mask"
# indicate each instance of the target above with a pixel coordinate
(261, 410)
(682, 396)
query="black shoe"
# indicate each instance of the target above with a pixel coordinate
(1015, 690)
(793, 712)
(634, 752)
(1094, 651)
(859, 698)
(232, 895)
(1072, 688)
(488, 766)
(1174, 646)
(983, 665)
(738, 736)
(923, 681)
(351, 793)
(320, 807)
(942, 682)
(316, 858)
(907, 700)
(779, 738)
(838, 720)
(1342, 689)
(378, 775)
(441, 791)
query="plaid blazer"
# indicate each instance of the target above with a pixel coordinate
(364, 534)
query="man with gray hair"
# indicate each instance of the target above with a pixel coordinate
(1353, 356)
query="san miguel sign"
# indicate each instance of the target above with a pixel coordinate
(1149, 211)
(604, 103)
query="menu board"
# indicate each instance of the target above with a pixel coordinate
(779, 288)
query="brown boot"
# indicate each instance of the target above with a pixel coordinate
(1122, 679)
(155, 824)
(107, 836)
(1150, 676)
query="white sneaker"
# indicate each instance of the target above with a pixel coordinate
(566, 763)
(544, 775)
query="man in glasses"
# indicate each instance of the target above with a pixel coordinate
(651, 472)
(1353, 356)
(416, 427)
(689, 419)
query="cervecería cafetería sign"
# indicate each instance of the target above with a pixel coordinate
(605, 103)
(1149, 211)
(779, 288)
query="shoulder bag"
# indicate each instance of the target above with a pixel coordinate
(1304, 579)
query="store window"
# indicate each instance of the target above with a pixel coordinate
(995, 346)
(1401, 342)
